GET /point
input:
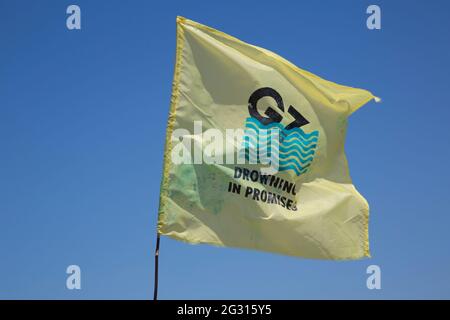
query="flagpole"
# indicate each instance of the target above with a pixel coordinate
(155, 292)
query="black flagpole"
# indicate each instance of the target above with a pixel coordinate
(155, 292)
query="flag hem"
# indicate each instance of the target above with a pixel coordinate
(170, 125)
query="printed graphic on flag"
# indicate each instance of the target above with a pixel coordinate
(295, 148)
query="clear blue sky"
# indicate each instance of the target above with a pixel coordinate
(82, 126)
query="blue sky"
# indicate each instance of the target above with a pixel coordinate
(82, 127)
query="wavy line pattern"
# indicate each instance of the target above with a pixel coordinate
(295, 148)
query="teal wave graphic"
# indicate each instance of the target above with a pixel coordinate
(299, 131)
(253, 143)
(295, 149)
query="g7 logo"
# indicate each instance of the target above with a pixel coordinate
(271, 113)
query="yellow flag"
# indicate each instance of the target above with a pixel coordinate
(254, 154)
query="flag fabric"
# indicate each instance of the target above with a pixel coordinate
(254, 155)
